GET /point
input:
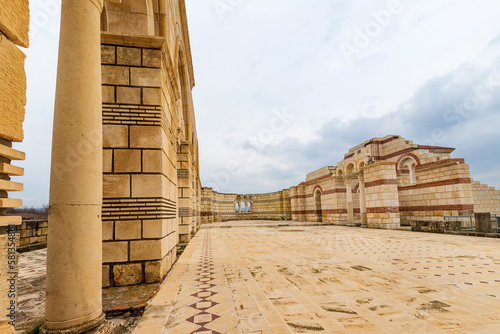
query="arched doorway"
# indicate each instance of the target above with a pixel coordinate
(318, 210)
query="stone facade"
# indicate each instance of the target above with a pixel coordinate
(14, 21)
(381, 183)
(151, 186)
(217, 207)
(486, 199)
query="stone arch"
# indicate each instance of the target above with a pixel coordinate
(350, 168)
(340, 172)
(130, 17)
(183, 95)
(237, 206)
(317, 204)
(409, 163)
(361, 164)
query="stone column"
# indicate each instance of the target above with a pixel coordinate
(362, 200)
(350, 206)
(74, 255)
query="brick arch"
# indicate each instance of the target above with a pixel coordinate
(406, 155)
(316, 188)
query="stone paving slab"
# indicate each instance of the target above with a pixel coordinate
(329, 279)
(31, 293)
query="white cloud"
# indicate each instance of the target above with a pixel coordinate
(267, 55)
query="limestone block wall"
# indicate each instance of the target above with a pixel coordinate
(33, 232)
(485, 198)
(140, 226)
(217, 207)
(442, 188)
(382, 200)
(14, 22)
(428, 184)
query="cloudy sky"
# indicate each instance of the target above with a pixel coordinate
(285, 87)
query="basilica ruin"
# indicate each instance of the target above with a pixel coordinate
(125, 189)
(381, 183)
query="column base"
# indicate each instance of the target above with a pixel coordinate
(98, 326)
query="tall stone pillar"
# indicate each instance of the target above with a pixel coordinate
(73, 301)
(350, 206)
(362, 200)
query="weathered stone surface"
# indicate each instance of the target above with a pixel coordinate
(107, 161)
(145, 250)
(108, 94)
(114, 251)
(151, 58)
(114, 136)
(107, 230)
(115, 75)
(153, 271)
(128, 56)
(483, 222)
(146, 77)
(146, 185)
(152, 161)
(145, 136)
(14, 21)
(12, 89)
(128, 229)
(108, 54)
(152, 96)
(128, 95)
(128, 274)
(127, 161)
(116, 185)
(105, 276)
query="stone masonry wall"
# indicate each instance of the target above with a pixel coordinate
(140, 229)
(426, 183)
(486, 199)
(14, 26)
(217, 207)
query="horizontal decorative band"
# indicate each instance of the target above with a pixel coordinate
(384, 209)
(457, 207)
(440, 163)
(326, 212)
(138, 208)
(321, 178)
(437, 184)
(380, 182)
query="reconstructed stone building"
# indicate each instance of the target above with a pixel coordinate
(381, 183)
(14, 20)
(151, 186)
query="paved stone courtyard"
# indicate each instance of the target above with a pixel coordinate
(318, 279)
(327, 279)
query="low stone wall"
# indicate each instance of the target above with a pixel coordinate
(33, 235)
(435, 226)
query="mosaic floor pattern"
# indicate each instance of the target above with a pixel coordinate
(328, 279)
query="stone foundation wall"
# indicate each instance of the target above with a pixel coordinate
(436, 226)
(33, 232)
(486, 199)
(217, 207)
